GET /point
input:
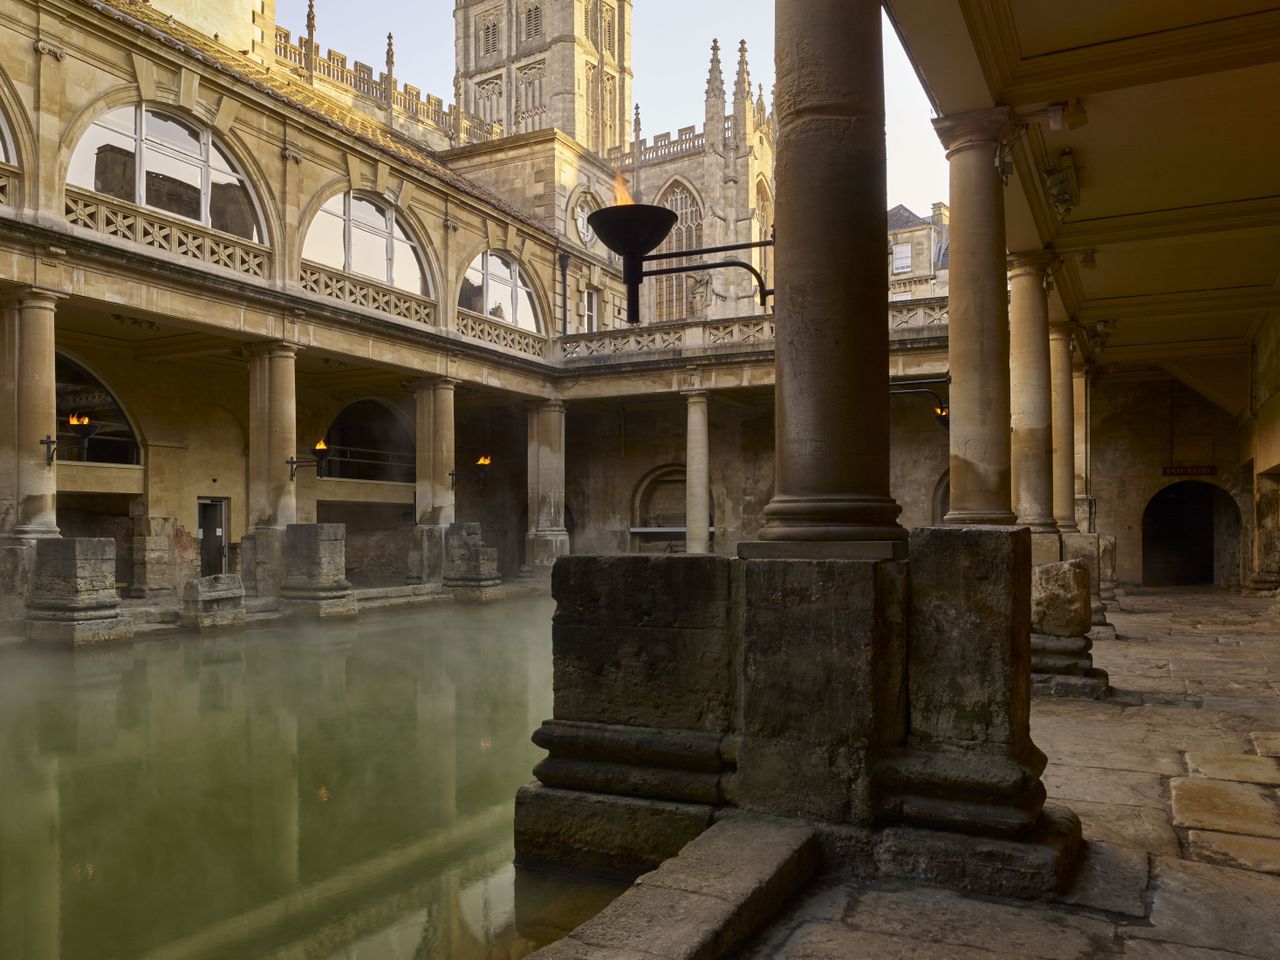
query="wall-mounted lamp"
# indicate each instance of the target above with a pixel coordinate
(321, 451)
(942, 413)
(941, 408)
(82, 430)
(483, 463)
(50, 449)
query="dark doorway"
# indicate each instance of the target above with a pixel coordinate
(213, 536)
(1190, 536)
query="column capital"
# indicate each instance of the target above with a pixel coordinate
(35, 297)
(1062, 329)
(1034, 262)
(963, 131)
(272, 348)
(696, 394)
(445, 383)
(554, 405)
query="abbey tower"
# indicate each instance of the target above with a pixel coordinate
(538, 64)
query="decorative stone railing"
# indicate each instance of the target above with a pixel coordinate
(115, 218)
(499, 334)
(8, 184)
(366, 293)
(912, 314)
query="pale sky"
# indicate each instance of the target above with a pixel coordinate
(670, 67)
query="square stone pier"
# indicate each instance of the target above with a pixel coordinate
(887, 702)
(73, 600)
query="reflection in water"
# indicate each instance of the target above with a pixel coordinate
(327, 791)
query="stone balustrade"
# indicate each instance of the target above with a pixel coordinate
(365, 293)
(503, 335)
(124, 221)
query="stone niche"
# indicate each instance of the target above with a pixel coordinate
(73, 597)
(886, 702)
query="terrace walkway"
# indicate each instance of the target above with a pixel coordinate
(1175, 779)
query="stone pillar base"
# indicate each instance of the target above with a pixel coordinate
(262, 561)
(213, 603)
(73, 600)
(17, 564)
(1045, 548)
(470, 568)
(426, 556)
(315, 584)
(1061, 619)
(543, 548)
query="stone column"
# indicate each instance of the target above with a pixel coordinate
(697, 476)
(547, 537)
(37, 487)
(1064, 428)
(259, 436)
(832, 351)
(425, 472)
(978, 345)
(443, 451)
(1030, 396)
(283, 432)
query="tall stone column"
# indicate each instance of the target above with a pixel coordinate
(37, 419)
(978, 343)
(1030, 394)
(697, 475)
(425, 470)
(547, 537)
(442, 446)
(1064, 428)
(259, 436)
(832, 351)
(283, 433)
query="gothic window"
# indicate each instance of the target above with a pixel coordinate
(357, 234)
(672, 292)
(764, 210)
(489, 100)
(7, 153)
(533, 21)
(610, 25)
(489, 27)
(496, 286)
(591, 20)
(610, 111)
(157, 160)
(529, 105)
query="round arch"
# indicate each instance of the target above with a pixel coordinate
(940, 502)
(535, 287)
(93, 426)
(416, 230)
(230, 143)
(371, 439)
(1191, 535)
(21, 138)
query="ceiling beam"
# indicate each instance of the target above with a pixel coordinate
(1191, 303)
(1174, 350)
(1254, 213)
(184, 346)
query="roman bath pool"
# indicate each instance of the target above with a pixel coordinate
(336, 791)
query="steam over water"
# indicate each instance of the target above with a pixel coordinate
(310, 792)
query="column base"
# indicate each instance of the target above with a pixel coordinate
(845, 519)
(823, 550)
(980, 518)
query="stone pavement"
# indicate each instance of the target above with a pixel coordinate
(1175, 779)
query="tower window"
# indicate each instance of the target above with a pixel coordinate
(533, 21)
(609, 26)
(490, 39)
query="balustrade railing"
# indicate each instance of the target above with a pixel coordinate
(115, 218)
(499, 334)
(365, 293)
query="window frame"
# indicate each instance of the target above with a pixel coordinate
(142, 144)
(426, 288)
(518, 281)
(532, 22)
(590, 310)
(894, 258)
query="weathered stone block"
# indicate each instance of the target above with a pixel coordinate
(822, 671)
(212, 603)
(1060, 604)
(626, 651)
(470, 568)
(73, 598)
(1084, 546)
(1045, 548)
(1107, 567)
(426, 556)
(315, 583)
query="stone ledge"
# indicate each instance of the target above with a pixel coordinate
(706, 901)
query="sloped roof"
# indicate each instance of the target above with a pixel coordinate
(282, 85)
(900, 218)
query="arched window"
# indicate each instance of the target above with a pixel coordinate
(7, 152)
(367, 441)
(157, 160)
(764, 209)
(91, 426)
(356, 234)
(672, 292)
(496, 286)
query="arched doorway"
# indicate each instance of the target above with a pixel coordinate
(1191, 536)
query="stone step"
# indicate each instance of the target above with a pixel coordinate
(706, 902)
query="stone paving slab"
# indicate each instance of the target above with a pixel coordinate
(1098, 785)
(1266, 743)
(1143, 828)
(1232, 850)
(1235, 766)
(1112, 879)
(1222, 805)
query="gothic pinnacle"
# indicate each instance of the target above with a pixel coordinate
(715, 78)
(391, 55)
(742, 83)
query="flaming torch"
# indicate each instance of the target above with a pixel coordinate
(321, 452)
(632, 230)
(82, 430)
(482, 467)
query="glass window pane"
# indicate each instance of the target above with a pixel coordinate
(501, 266)
(368, 213)
(502, 302)
(526, 311)
(475, 272)
(397, 232)
(172, 184)
(324, 244)
(173, 133)
(472, 295)
(336, 205)
(369, 254)
(231, 207)
(122, 119)
(405, 271)
(219, 160)
(104, 162)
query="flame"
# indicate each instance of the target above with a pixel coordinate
(77, 420)
(321, 445)
(943, 410)
(621, 195)
(484, 461)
